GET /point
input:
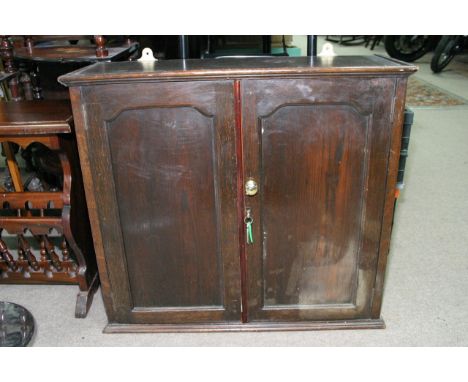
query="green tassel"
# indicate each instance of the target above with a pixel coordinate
(249, 233)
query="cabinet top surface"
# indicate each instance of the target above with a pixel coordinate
(234, 68)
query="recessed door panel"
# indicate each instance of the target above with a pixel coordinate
(164, 164)
(314, 172)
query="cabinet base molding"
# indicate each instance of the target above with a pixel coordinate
(248, 327)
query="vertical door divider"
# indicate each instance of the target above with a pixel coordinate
(240, 197)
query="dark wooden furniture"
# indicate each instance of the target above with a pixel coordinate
(44, 235)
(6, 55)
(75, 54)
(180, 158)
(31, 62)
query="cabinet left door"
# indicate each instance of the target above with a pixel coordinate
(159, 162)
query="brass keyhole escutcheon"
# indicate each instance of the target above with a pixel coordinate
(251, 187)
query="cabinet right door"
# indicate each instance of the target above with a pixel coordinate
(318, 149)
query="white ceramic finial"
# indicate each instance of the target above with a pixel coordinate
(147, 56)
(327, 50)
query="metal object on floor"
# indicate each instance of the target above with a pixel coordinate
(405, 137)
(16, 325)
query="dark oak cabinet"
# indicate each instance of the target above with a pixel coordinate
(182, 158)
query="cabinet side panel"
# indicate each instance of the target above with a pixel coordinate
(392, 171)
(163, 164)
(313, 169)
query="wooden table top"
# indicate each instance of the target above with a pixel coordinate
(35, 117)
(72, 53)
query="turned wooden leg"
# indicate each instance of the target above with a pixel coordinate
(28, 42)
(6, 54)
(101, 50)
(25, 81)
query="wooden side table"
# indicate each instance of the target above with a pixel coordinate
(49, 229)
